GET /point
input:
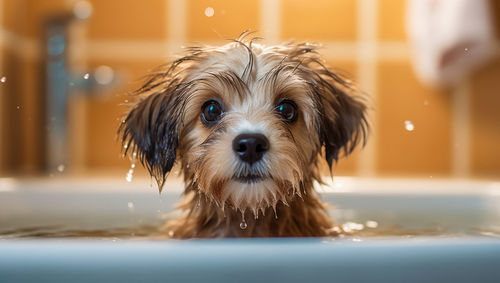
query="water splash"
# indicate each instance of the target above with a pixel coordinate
(130, 175)
(209, 12)
(3, 79)
(243, 224)
(350, 227)
(371, 224)
(409, 126)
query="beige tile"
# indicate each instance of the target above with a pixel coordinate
(427, 149)
(319, 20)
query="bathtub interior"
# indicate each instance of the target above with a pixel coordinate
(116, 209)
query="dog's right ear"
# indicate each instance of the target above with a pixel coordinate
(150, 132)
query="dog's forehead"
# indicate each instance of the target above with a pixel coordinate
(243, 76)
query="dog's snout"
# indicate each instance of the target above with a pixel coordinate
(250, 147)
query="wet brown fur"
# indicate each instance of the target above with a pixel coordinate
(165, 124)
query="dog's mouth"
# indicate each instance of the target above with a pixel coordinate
(249, 178)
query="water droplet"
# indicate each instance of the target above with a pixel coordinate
(371, 224)
(125, 146)
(243, 225)
(409, 126)
(126, 100)
(130, 175)
(170, 234)
(466, 49)
(130, 206)
(18, 107)
(209, 12)
(3, 79)
(199, 203)
(86, 76)
(60, 168)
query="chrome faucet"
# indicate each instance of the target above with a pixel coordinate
(61, 84)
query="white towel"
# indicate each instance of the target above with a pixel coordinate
(449, 38)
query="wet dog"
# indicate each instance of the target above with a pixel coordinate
(250, 126)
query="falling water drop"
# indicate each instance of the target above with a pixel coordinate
(243, 224)
(409, 126)
(130, 175)
(3, 79)
(209, 12)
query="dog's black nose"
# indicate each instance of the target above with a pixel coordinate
(250, 147)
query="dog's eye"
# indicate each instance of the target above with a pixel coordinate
(288, 110)
(211, 111)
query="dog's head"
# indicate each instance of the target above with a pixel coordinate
(248, 122)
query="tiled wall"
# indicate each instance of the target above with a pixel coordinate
(456, 130)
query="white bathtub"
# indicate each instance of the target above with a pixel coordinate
(450, 232)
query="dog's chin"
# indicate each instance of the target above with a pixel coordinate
(250, 178)
(254, 193)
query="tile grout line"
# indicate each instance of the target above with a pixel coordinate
(176, 20)
(270, 20)
(154, 49)
(77, 116)
(461, 115)
(366, 63)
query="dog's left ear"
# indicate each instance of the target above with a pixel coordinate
(151, 132)
(343, 123)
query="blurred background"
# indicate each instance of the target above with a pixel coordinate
(66, 68)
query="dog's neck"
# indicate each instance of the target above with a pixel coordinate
(303, 216)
